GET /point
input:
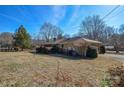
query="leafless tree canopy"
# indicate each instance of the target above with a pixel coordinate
(6, 39)
(121, 29)
(49, 32)
(93, 28)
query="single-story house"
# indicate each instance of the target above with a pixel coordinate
(77, 44)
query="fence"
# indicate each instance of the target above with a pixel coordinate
(7, 49)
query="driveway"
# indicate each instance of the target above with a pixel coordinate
(116, 57)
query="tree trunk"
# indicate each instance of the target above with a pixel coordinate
(116, 49)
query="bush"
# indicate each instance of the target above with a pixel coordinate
(55, 49)
(37, 50)
(42, 50)
(16, 49)
(102, 50)
(92, 52)
(73, 53)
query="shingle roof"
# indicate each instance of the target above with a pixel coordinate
(93, 41)
(73, 40)
(76, 40)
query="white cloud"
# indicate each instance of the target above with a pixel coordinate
(58, 14)
(79, 13)
(73, 22)
(75, 14)
(10, 17)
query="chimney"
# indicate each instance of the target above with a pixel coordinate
(54, 39)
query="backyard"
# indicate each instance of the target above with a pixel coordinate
(30, 69)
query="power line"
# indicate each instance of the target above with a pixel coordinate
(110, 18)
(110, 12)
(118, 13)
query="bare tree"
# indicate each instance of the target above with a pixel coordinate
(121, 32)
(114, 39)
(121, 29)
(122, 39)
(49, 31)
(6, 39)
(36, 40)
(93, 28)
(109, 31)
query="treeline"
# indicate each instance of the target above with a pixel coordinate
(92, 27)
(95, 28)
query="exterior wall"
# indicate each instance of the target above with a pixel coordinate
(81, 50)
(96, 45)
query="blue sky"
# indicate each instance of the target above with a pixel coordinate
(66, 17)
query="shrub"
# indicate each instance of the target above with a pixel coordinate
(73, 53)
(91, 52)
(55, 49)
(42, 50)
(38, 50)
(102, 49)
(16, 49)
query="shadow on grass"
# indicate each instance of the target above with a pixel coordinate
(64, 56)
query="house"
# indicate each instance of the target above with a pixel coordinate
(77, 44)
(48, 45)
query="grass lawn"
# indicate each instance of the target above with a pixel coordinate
(27, 69)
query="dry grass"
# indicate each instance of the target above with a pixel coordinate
(27, 69)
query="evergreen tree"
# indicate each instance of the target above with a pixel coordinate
(22, 38)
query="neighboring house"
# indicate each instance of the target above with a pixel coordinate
(109, 47)
(112, 48)
(77, 44)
